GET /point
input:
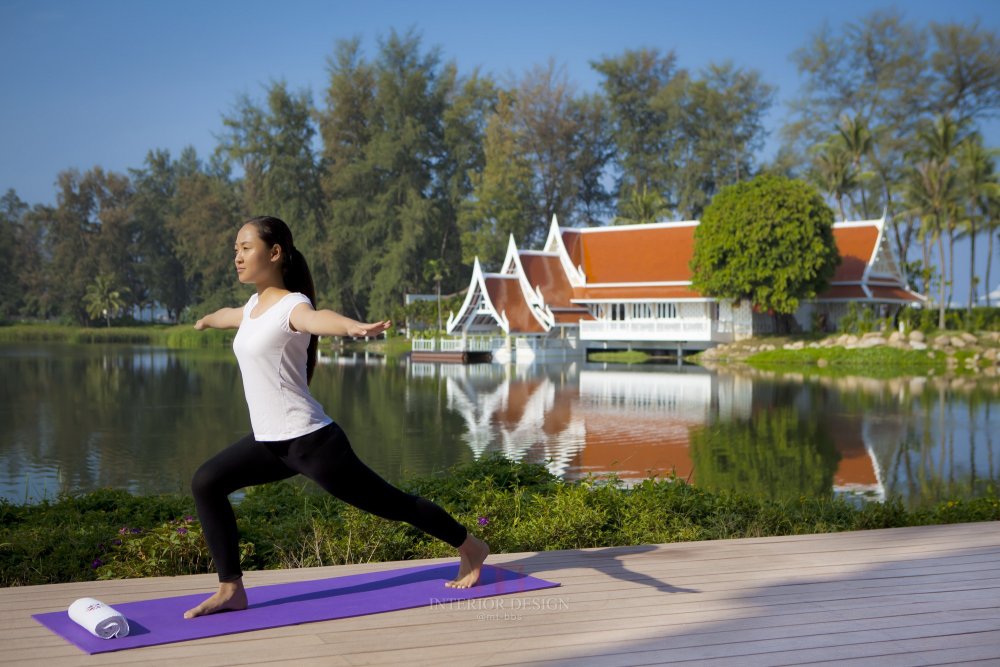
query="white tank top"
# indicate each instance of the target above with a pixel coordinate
(272, 358)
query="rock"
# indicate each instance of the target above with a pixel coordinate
(871, 342)
(895, 337)
(850, 340)
(990, 354)
(871, 334)
(917, 335)
(822, 363)
(958, 341)
(969, 338)
(798, 345)
(918, 345)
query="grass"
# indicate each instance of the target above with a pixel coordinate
(179, 335)
(875, 362)
(514, 506)
(620, 357)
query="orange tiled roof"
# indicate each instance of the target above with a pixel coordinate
(634, 254)
(667, 292)
(546, 272)
(506, 296)
(892, 293)
(856, 246)
(844, 292)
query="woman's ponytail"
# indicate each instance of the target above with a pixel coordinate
(294, 271)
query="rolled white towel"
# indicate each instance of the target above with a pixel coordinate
(98, 618)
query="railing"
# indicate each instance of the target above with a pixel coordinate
(681, 329)
(471, 344)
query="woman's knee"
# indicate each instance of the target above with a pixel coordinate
(205, 481)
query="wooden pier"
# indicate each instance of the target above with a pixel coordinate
(886, 598)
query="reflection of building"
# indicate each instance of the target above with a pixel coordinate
(631, 285)
(631, 423)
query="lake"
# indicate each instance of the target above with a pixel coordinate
(80, 417)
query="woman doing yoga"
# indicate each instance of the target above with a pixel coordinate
(276, 350)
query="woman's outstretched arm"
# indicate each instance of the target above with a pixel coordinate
(329, 323)
(223, 318)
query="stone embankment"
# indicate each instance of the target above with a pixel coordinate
(968, 350)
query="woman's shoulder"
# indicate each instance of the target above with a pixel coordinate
(297, 298)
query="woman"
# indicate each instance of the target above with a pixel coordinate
(276, 350)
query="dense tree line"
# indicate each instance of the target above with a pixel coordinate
(409, 168)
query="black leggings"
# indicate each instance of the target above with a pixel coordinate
(324, 456)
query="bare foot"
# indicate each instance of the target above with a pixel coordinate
(231, 597)
(472, 554)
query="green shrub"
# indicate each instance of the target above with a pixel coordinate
(514, 506)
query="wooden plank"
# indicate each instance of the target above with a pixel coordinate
(756, 601)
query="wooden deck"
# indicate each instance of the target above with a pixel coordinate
(910, 596)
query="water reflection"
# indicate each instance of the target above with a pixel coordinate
(772, 436)
(82, 417)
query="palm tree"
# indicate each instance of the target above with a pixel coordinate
(979, 186)
(642, 207)
(436, 270)
(941, 142)
(102, 299)
(931, 193)
(857, 142)
(834, 173)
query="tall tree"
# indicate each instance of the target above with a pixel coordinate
(641, 88)
(388, 169)
(979, 185)
(348, 122)
(13, 238)
(565, 162)
(857, 143)
(153, 204)
(722, 113)
(966, 67)
(874, 70)
(931, 195)
(273, 144)
(90, 232)
(203, 222)
(940, 140)
(502, 201)
(832, 170)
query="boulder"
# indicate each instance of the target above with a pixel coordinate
(918, 345)
(917, 335)
(958, 341)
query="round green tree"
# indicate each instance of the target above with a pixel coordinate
(769, 241)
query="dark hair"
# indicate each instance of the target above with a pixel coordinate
(294, 270)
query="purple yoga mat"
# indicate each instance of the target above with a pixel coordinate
(161, 621)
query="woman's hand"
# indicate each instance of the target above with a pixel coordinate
(200, 325)
(359, 330)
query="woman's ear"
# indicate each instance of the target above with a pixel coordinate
(276, 252)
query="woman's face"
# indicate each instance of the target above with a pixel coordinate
(254, 260)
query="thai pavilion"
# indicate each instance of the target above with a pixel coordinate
(630, 287)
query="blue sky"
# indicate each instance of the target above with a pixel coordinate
(103, 82)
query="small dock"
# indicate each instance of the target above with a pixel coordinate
(454, 350)
(905, 596)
